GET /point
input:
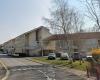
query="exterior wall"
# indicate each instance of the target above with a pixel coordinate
(9, 45)
(63, 45)
(89, 44)
(6, 46)
(45, 33)
(83, 45)
(20, 44)
(26, 40)
(32, 39)
(32, 42)
(35, 43)
(50, 45)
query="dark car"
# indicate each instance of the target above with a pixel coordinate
(76, 56)
(52, 56)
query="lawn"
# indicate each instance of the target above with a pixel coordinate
(62, 63)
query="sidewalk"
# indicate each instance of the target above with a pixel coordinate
(74, 71)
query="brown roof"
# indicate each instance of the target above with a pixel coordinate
(75, 36)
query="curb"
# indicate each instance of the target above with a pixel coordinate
(37, 61)
(7, 71)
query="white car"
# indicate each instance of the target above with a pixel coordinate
(64, 56)
(52, 56)
(89, 58)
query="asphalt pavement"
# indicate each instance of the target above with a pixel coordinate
(23, 69)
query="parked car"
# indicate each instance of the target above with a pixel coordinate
(4, 52)
(64, 56)
(52, 56)
(89, 58)
(76, 56)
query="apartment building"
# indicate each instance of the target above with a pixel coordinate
(20, 44)
(29, 43)
(34, 40)
(9, 45)
(82, 42)
(40, 41)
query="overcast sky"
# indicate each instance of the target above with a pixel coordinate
(19, 16)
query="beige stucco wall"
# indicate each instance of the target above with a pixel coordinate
(6, 46)
(32, 39)
(45, 33)
(9, 45)
(19, 44)
(89, 44)
(32, 42)
(83, 45)
(42, 33)
(51, 45)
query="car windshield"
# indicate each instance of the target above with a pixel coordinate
(52, 54)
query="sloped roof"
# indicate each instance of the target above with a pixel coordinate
(40, 27)
(75, 36)
(32, 30)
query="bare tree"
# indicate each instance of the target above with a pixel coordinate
(92, 29)
(98, 2)
(93, 12)
(78, 23)
(63, 18)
